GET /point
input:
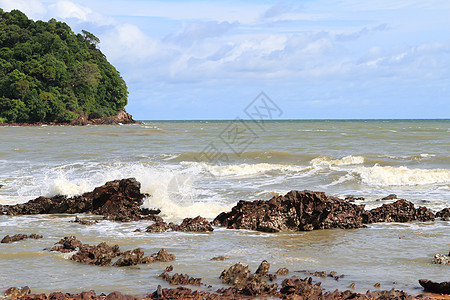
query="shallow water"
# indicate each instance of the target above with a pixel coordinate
(177, 164)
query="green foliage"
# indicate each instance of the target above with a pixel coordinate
(50, 74)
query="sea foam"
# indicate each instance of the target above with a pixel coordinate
(344, 161)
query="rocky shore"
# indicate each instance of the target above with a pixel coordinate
(121, 200)
(122, 117)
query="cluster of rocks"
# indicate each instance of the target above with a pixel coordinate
(19, 237)
(307, 210)
(197, 224)
(179, 279)
(103, 254)
(441, 259)
(118, 200)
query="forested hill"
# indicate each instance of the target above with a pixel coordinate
(50, 74)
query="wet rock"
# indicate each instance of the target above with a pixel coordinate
(130, 258)
(282, 271)
(180, 279)
(83, 222)
(304, 287)
(263, 268)
(157, 227)
(19, 237)
(399, 211)
(353, 198)
(390, 197)
(100, 255)
(67, 244)
(435, 287)
(444, 214)
(163, 256)
(236, 275)
(392, 294)
(117, 200)
(441, 259)
(16, 293)
(296, 211)
(220, 258)
(197, 224)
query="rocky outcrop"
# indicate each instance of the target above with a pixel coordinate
(197, 224)
(103, 255)
(179, 279)
(307, 210)
(117, 200)
(435, 287)
(122, 117)
(441, 259)
(444, 214)
(399, 211)
(19, 237)
(296, 211)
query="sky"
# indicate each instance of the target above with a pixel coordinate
(343, 59)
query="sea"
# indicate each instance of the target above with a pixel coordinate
(191, 168)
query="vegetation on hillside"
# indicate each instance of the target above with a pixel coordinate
(50, 74)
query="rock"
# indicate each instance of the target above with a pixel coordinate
(296, 211)
(282, 272)
(435, 287)
(130, 258)
(220, 258)
(236, 275)
(83, 222)
(16, 293)
(67, 244)
(100, 255)
(158, 227)
(117, 200)
(390, 197)
(263, 268)
(163, 256)
(399, 211)
(441, 259)
(19, 237)
(122, 117)
(180, 279)
(444, 214)
(303, 287)
(197, 224)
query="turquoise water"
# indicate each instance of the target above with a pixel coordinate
(195, 168)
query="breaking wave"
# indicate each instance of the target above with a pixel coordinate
(346, 160)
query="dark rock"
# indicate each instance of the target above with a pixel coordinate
(399, 211)
(304, 287)
(130, 258)
(197, 224)
(441, 259)
(220, 258)
(158, 227)
(16, 293)
(237, 275)
(282, 272)
(390, 197)
(67, 244)
(19, 237)
(435, 287)
(83, 222)
(163, 256)
(180, 279)
(100, 255)
(263, 268)
(353, 198)
(444, 214)
(296, 211)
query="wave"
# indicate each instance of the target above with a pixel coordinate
(345, 161)
(401, 176)
(244, 169)
(269, 155)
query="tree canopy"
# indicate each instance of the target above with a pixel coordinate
(50, 74)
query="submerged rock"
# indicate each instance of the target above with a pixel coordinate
(19, 237)
(296, 211)
(180, 279)
(435, 287)
(399, 211)
(197, 224)
(117, 200)
(441, 259)
(444, 214)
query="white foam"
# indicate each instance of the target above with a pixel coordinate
(244, 169)
(344, 161)
(402, 176)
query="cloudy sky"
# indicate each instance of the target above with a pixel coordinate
(314, 59)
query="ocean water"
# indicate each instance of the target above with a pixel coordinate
(192, 168)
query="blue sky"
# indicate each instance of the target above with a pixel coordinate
(315, 59)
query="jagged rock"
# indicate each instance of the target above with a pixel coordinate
(100, 255)
(117, 200)
(435, 287)
(390, 197)
(19, 237)
(441, 259)
(83, 222)
(399, 211)
(197, 224)
(236, 275)
(282, 271)
(303, 287)
(444, 214)
(67, 244)
(163, 256)
(130, 258)
(122, 117)
(157, 227)
(263, 268)
(180, 279)
(296, 211)
(221, 258)
(16, 293)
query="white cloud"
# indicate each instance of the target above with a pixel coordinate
(32, 8)
(67, 9)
